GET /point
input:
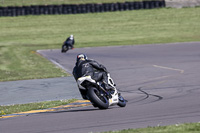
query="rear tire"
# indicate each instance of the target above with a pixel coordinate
(100, 101)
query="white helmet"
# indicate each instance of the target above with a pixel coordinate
(71, 37)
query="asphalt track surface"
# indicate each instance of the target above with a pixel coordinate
(160, 81)
(38, 90)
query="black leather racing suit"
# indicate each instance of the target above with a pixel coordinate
(90, 68)
(69, 42)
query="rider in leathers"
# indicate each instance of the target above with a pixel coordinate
(70, 41)
(87, 67)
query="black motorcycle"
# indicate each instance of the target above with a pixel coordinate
(65, 48)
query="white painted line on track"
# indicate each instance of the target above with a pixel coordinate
(181, 71)
(59, 65)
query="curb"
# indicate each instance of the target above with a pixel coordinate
(79, 103)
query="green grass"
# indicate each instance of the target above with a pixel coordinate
(10, 109)
(57, 2)
(21, 36)
(178, 128)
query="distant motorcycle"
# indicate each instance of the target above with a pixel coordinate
(98, 95)
(68, 44)
(65, 48)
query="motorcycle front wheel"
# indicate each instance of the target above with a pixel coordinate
(97, 99)
(64, 49)
(122, 102)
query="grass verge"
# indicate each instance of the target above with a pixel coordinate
(10, 109)
(178, 128)
(21, 36)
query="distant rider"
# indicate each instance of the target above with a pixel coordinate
(68, 42)
(88, 67)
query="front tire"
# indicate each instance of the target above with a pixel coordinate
(122, 102)
(98, 100)
(64, 49)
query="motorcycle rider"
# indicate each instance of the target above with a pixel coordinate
(88, 67)
(69, 42)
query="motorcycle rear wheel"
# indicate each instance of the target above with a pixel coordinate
(98, 100)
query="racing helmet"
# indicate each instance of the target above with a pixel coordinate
(71, 37)
(81, 57)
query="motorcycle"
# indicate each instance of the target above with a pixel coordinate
(98, 95)
(65, 48)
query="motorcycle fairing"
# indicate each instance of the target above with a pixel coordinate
(82, 79)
